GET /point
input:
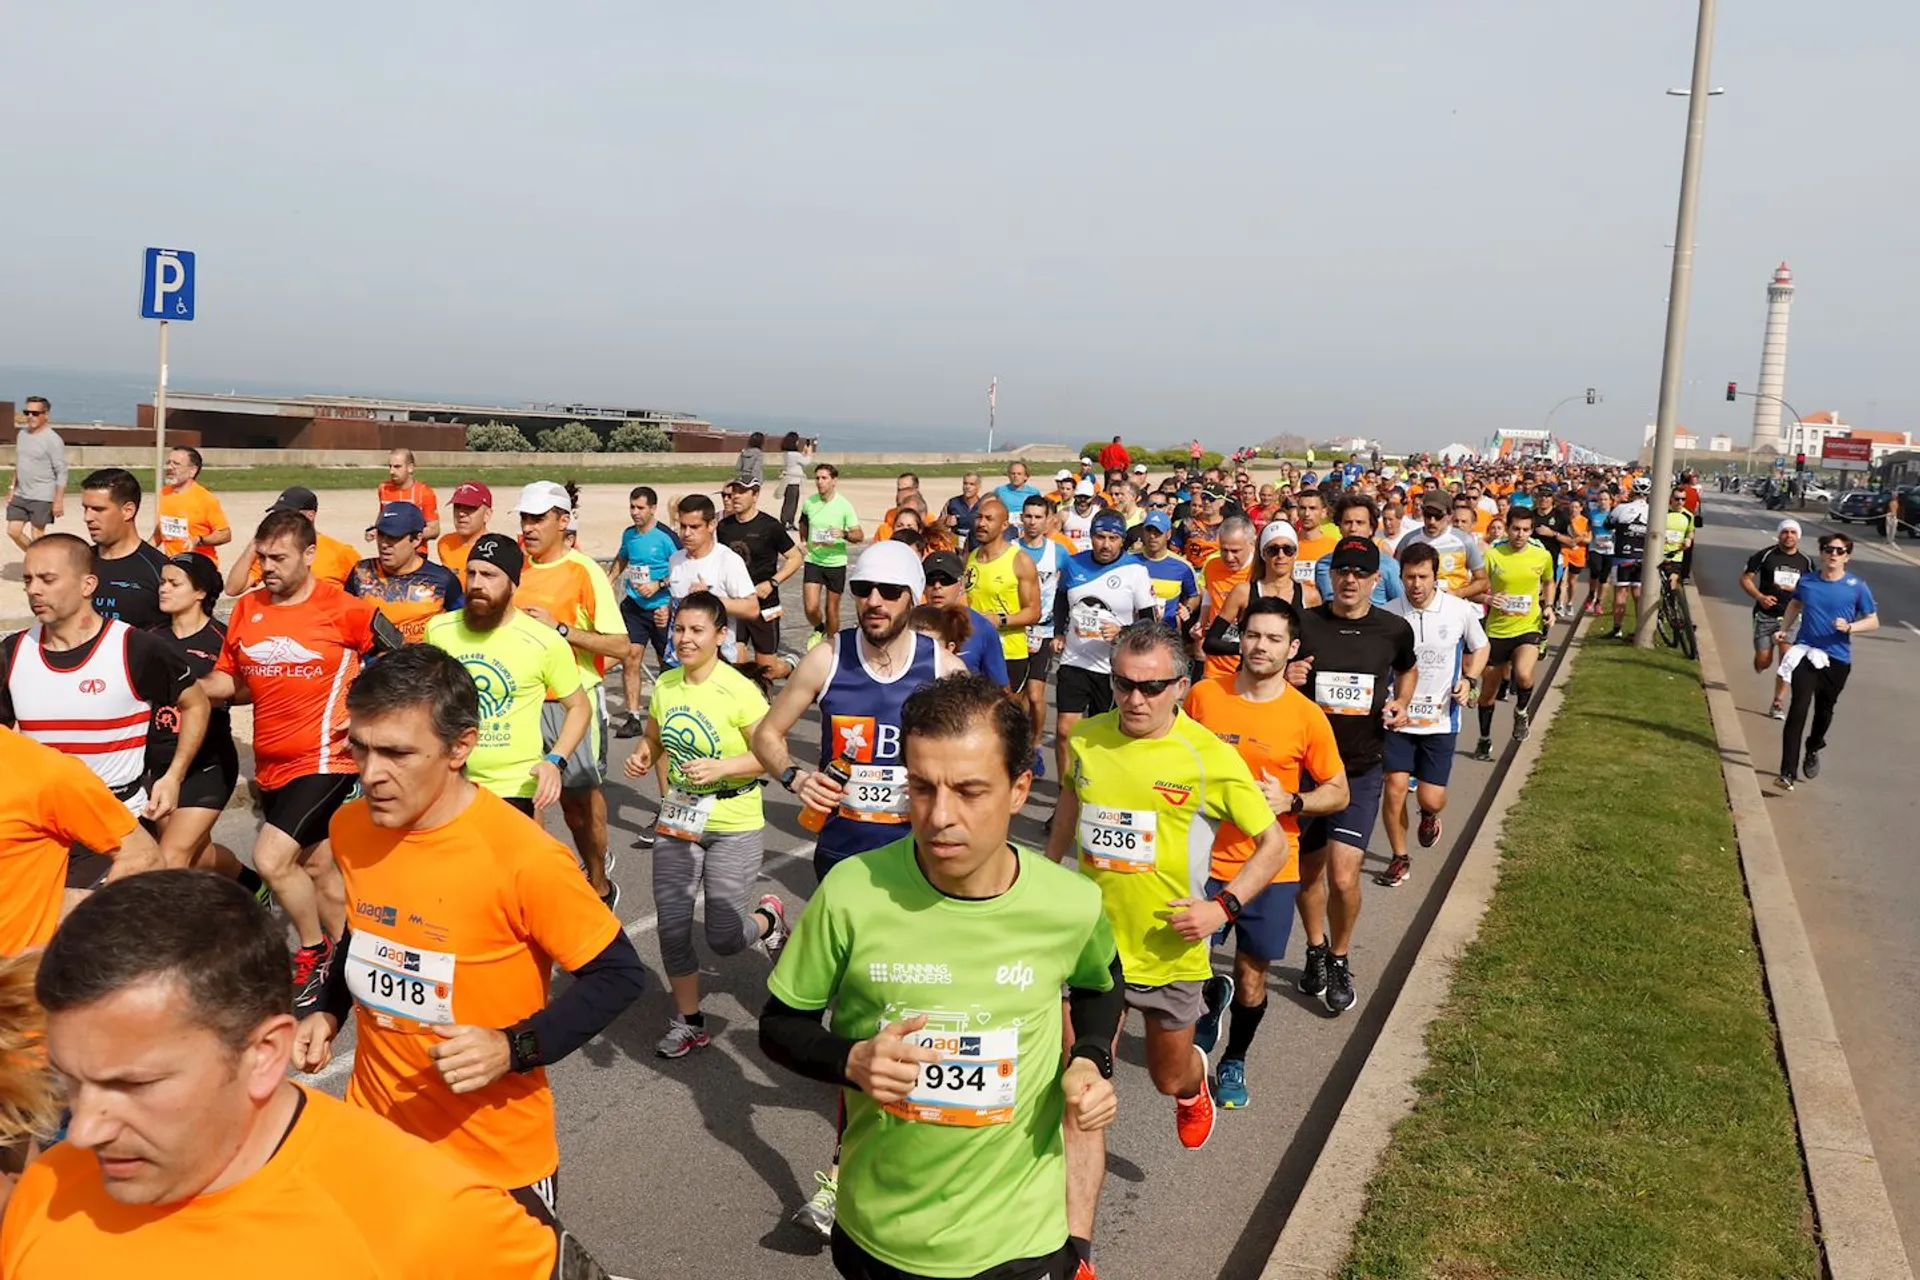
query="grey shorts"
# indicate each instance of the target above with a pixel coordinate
(30, 511)
(586, 768)
(1175, 1005)
(1765, 628)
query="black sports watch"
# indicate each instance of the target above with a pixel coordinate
(1229, 904)
(1097, 1054)
(788, 774)
(1298, 805)
(523, 1047)
(563, 629)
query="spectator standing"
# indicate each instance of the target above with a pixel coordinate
(751, 466)
(794, 460)
(1115, 457)
(37, 496)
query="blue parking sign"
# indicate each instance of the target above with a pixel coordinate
(166, 286)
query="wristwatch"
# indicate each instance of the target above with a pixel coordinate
(788, 774)
(1229, 904)
(523, 1047)
(563, 629)
(1097, 1054)
(1297, 805)
(555, 759)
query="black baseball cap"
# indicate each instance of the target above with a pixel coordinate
(945, 562)
(296, 498)
(1355, 553)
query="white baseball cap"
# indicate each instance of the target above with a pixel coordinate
(1278, 531)
(541, 497)
(1063, 474)
(1084, 489)
(891, 563)
(1086, 462)
(1139, 468)
(1786, 525)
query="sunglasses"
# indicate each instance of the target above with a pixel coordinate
(933, 580)
(36, 413)
(890, 591)
(1833, 551)
(1280, 548)
(1152, 688)
(1348, 571)
(1158, 506)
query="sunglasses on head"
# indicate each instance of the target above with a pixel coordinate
(891, 591)
(1152, 688)
(939, 580)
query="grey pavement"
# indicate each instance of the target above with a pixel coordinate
(699, 1162)
(1848, 837)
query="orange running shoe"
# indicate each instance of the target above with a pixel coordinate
(1193, 1119)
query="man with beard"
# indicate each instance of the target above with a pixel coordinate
(1101, 591)
(518, 666)
(861, 679)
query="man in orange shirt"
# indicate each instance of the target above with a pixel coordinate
(333, 560)
(190, 517)
(472, 508)
(1225, 570)
(402, 487)
(52, 802)
(1283, 736)
(190, 1155)
(461, 905)
(294, 645)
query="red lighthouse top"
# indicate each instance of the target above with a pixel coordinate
(1783, 275)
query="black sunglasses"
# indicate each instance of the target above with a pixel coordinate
(1152, 688)
(886, 590)
(935, 580)
(1834, 551)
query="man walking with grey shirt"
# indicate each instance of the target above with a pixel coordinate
(37, 496)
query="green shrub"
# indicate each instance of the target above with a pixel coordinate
(574, 437)
(639, 437)
(497, 437)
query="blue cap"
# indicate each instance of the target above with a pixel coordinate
(1157, 520)
(398, 519)
(1108, 522)
(1522, 500)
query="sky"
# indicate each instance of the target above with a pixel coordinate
(1417, 222)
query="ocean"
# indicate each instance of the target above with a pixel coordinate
(110, 398)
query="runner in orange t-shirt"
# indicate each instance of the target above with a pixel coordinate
(190, 517)
(333, 560)
(1227, 569)
(400, 486)
(1283, 736)
(52, 802)
(472, 507)
(215, 1162)
(294, 646)
(461, 905)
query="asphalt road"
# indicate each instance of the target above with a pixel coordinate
(1848, 837)
(698, 1163)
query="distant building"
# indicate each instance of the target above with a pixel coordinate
(1683, 439)
(1720, 444)
(1810, 431)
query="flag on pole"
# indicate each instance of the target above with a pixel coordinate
(993, 396)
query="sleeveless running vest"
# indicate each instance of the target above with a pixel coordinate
(91, 712)
(994, 588)
(860, 719)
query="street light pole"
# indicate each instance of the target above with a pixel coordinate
(1672, 360)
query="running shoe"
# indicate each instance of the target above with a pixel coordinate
(1338, 997)
(1230, 1090)
(611, 898)
(1193, 1117)
(814, 637)
(1811, 765)
(643, 838)
(632, 726)
(1217, 992)
(1615, 634)
(1313, 974)
(1039, 763)
(1777, 712)
(1522, 724)
(816, 1215)
(1784, 782)
(777, 936)
(1084, 1271)
(1483, 751)
(1506, 687)
(607, 861)
(1429, 832)
(311, 965)
(1399, 871)
(682, 1038)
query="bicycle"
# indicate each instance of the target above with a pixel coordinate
(1675, 623)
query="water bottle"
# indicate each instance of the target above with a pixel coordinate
(841, 771)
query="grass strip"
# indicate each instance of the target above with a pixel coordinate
(1603, 1096)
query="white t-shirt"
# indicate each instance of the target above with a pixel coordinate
(1441, 631)
(1098, 594)
(721, 570)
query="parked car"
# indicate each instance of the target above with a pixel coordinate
(1859, 504)
(1817, 492)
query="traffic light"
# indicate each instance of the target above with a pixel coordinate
(1732, 387)
(1800, 461)
(1590, 396)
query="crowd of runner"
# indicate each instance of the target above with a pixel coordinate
(1247, 676)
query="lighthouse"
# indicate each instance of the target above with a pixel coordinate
(1773, 365)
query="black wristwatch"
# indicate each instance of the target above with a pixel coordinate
(563, 629)
(1097, 1054)
(788, 774)
(1229, 904)
(523, 1047)
(1298, 805)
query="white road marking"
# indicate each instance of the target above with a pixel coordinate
(1909, 626)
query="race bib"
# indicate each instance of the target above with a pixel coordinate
(1118, 839)
(1303, 570)
(1510, 602)
(1088, 619)
(823, 537)
(1673, 538)
(1344, 693)
(768, 612)
(683, 816)
(1603, 544)
(1426, 712)
(1786, 579)
(875, 793)
(404, 988)
(973, 1084)
(173, 528)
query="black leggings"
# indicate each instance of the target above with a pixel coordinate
(789, 505)
(1819, 688)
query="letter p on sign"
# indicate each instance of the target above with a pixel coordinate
(166, 285)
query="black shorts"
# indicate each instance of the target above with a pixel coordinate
(1624, 573)
(855, 1263)
(523, 803)
(305, 806)
(1080, 692)
(762, 633)
(832, 576)
(541, 1200)
(1500, 651)
(210, 786)
(1597, 566)
(1019, 670)
(1039, 661)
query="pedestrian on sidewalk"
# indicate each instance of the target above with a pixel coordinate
(37, 496)
(1830, 608)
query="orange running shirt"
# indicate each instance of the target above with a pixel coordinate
(1219, 582)
(460, 924)
(419, 493)
(1277, 738)
(333, 561)
(575, 591)
(193, 512)
(380, 1204)
(51, 802)
(297, 661)
(452, 550)
(1198, 543)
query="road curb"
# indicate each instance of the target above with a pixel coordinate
(1314, 1244)
(1853, 1216)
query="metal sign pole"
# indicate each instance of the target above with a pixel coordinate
(160, 418)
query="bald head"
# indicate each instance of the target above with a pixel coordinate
(75, 552)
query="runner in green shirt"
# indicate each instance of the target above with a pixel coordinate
(828, 523)
(942, 957)
(518, 665)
